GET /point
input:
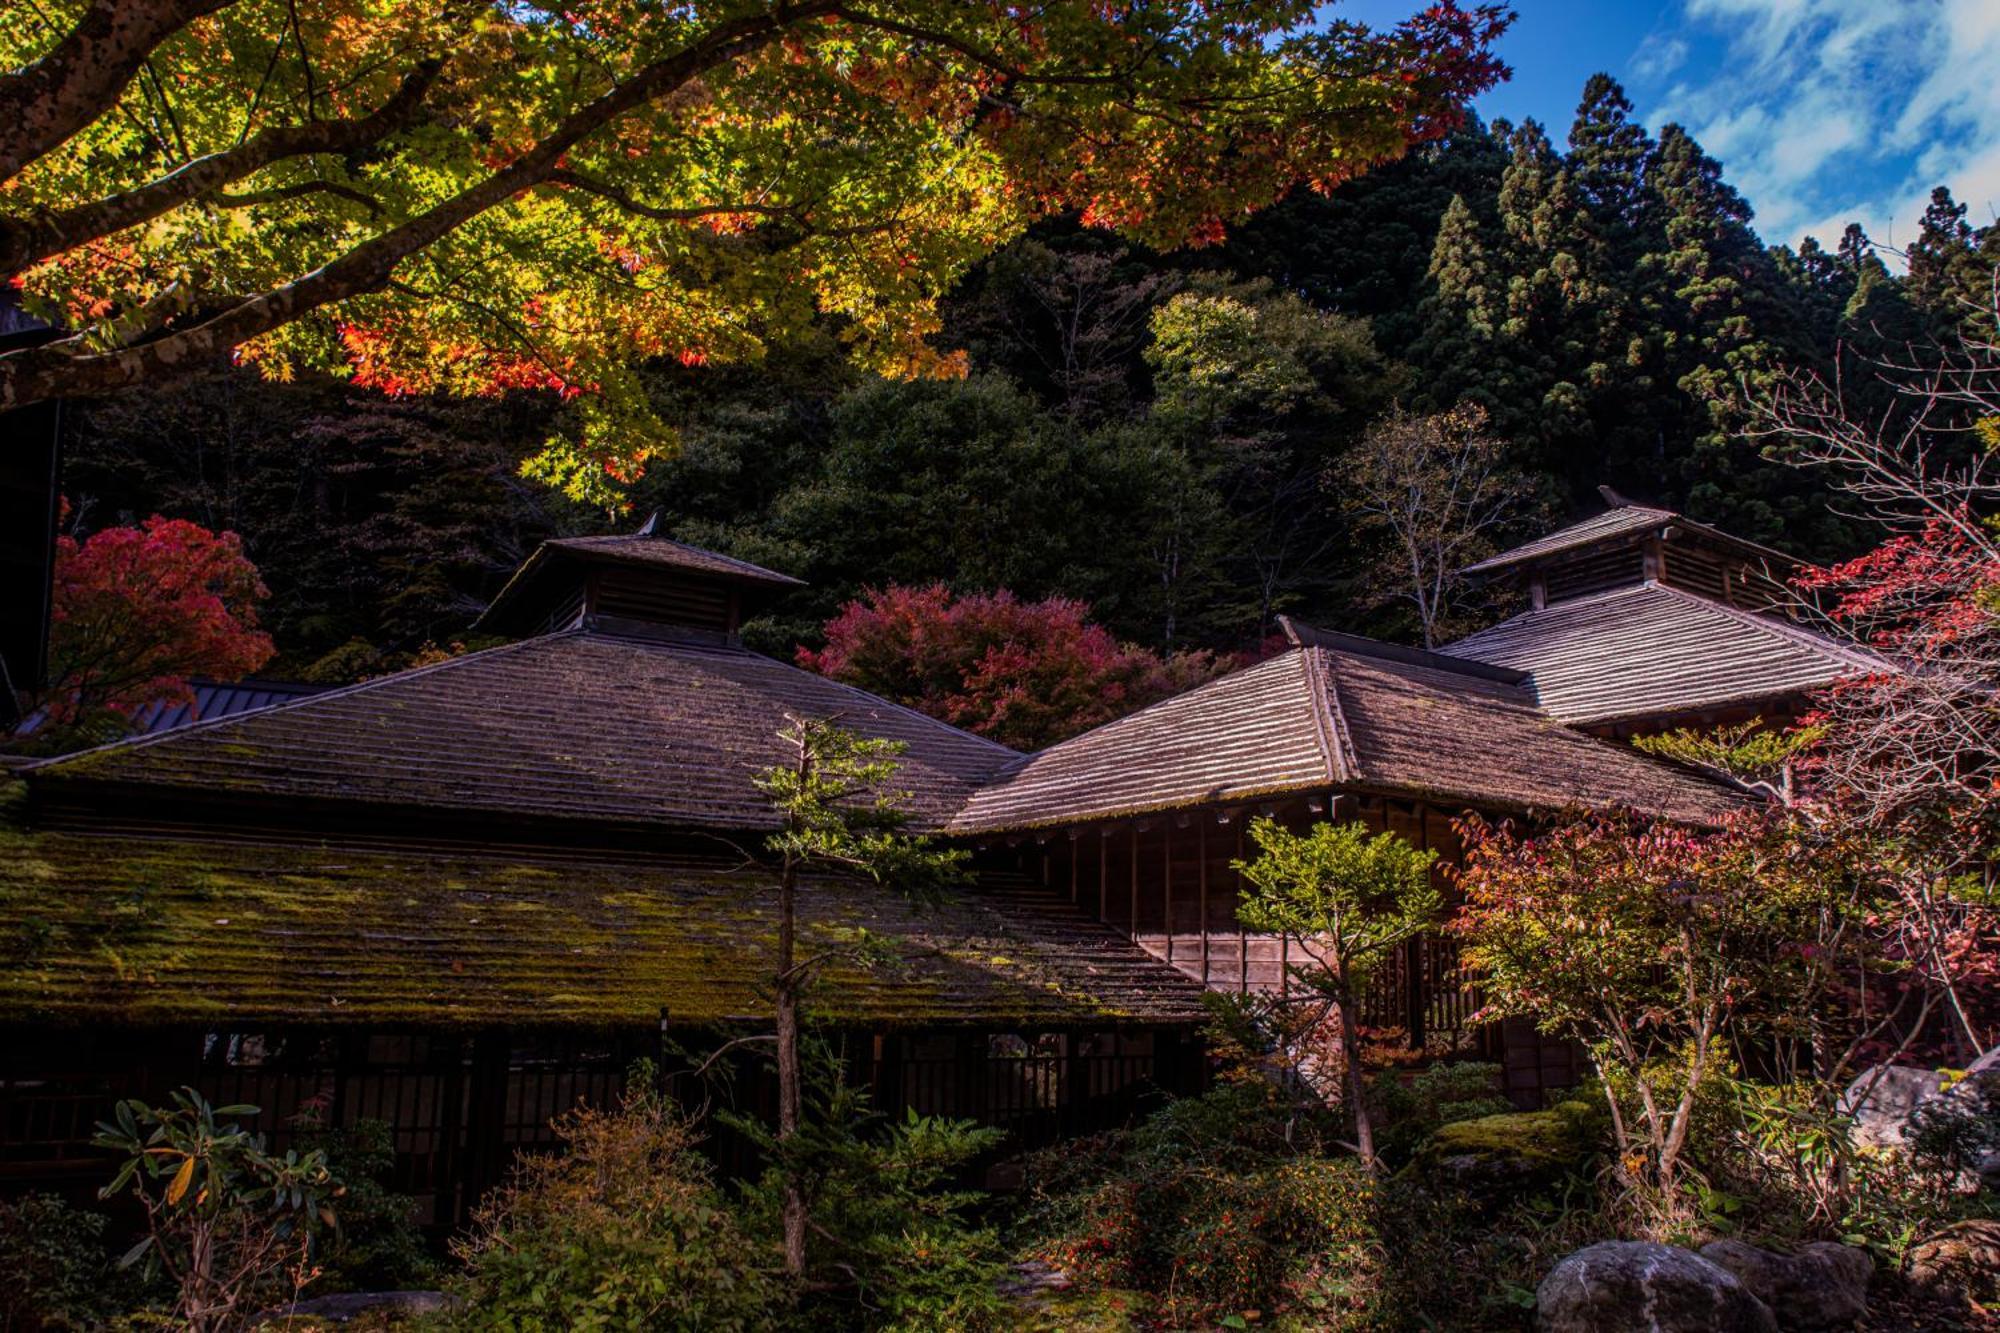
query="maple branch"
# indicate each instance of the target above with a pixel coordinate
(27, 240)
(58, 369)
(606, 190)
(44, 103)
(279, 194)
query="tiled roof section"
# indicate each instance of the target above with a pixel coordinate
(662, 552)
(108, 928)
(212, 699)
(1628, 520)
(1652, 651)
(1249, 733)
(1451, 738)
(651, 729)
(1316, 718)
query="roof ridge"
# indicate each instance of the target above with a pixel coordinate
(284, 705)
(1329, 719)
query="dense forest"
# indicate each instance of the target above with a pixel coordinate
(1167, 437)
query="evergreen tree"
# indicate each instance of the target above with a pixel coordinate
(1610, 155)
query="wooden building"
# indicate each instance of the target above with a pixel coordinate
(462, 897)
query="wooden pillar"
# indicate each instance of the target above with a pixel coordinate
(1167, 882)
(1074, 857)
(1104, 872)
(1201, 874)
(1134, 931)
(1243, 937)
(1419, 983)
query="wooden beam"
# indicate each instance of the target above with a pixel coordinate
(1167, 883)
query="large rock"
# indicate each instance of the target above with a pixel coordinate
(1499, 1155)
(347, 1305)
(1620, 1286)
(1882, 1100)
(1821, 1286)
(1963, 1259)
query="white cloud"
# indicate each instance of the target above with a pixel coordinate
(1826, 111)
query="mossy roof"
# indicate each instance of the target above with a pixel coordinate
(97, 927)
(587, 724)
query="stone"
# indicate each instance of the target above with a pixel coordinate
(1501, 1154)
(1620, 1286)
(347, 1305)
(1961, 1260)
(1820, 1286)
(1882, 1100)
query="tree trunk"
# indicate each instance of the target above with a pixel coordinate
(788, 1071)
(1350, 1050)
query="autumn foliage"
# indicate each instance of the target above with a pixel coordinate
(1027, 674)
(137, 610)
(476, 198)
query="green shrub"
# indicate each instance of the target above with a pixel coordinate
(624, 1230)
(896, 1246)
(1411, 1110)
(56, 1271)
(378, 1245)
(1217, 1205)
(229, 1226)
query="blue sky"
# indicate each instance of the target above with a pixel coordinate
(1822, 111)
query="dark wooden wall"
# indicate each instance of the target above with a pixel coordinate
(1168, 880)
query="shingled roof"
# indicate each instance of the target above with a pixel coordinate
(1622, 521)
(1315, 718)
(147, 930)
(1653, 651)
(630, 725)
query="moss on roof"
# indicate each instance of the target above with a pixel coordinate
(96, 928)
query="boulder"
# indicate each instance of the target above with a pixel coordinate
(1620, 1286)
(347, 1305)
(1821, 1286)
(1882, 1100)
(1961, 1260)
(1498, 1154)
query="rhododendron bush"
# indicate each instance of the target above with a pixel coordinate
(137, 610)
(474, 198)
(1027, 674)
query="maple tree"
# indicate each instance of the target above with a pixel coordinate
(1027, 674)
(137, 610)
(447, 195)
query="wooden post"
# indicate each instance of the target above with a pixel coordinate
(1135, 880)
(1417, 984)
(1074, 857)
(1167, 882)
(1201, 873)
(1242, 936)
(1104, 873)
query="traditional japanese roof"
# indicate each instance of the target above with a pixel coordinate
(98, 927)
(1623, 521)
(608, 723)
(663, 552)
(1653, 651)
(1316, 718)
(559, 579)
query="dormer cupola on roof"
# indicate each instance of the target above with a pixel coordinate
(641, 578)
(1631, 544)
